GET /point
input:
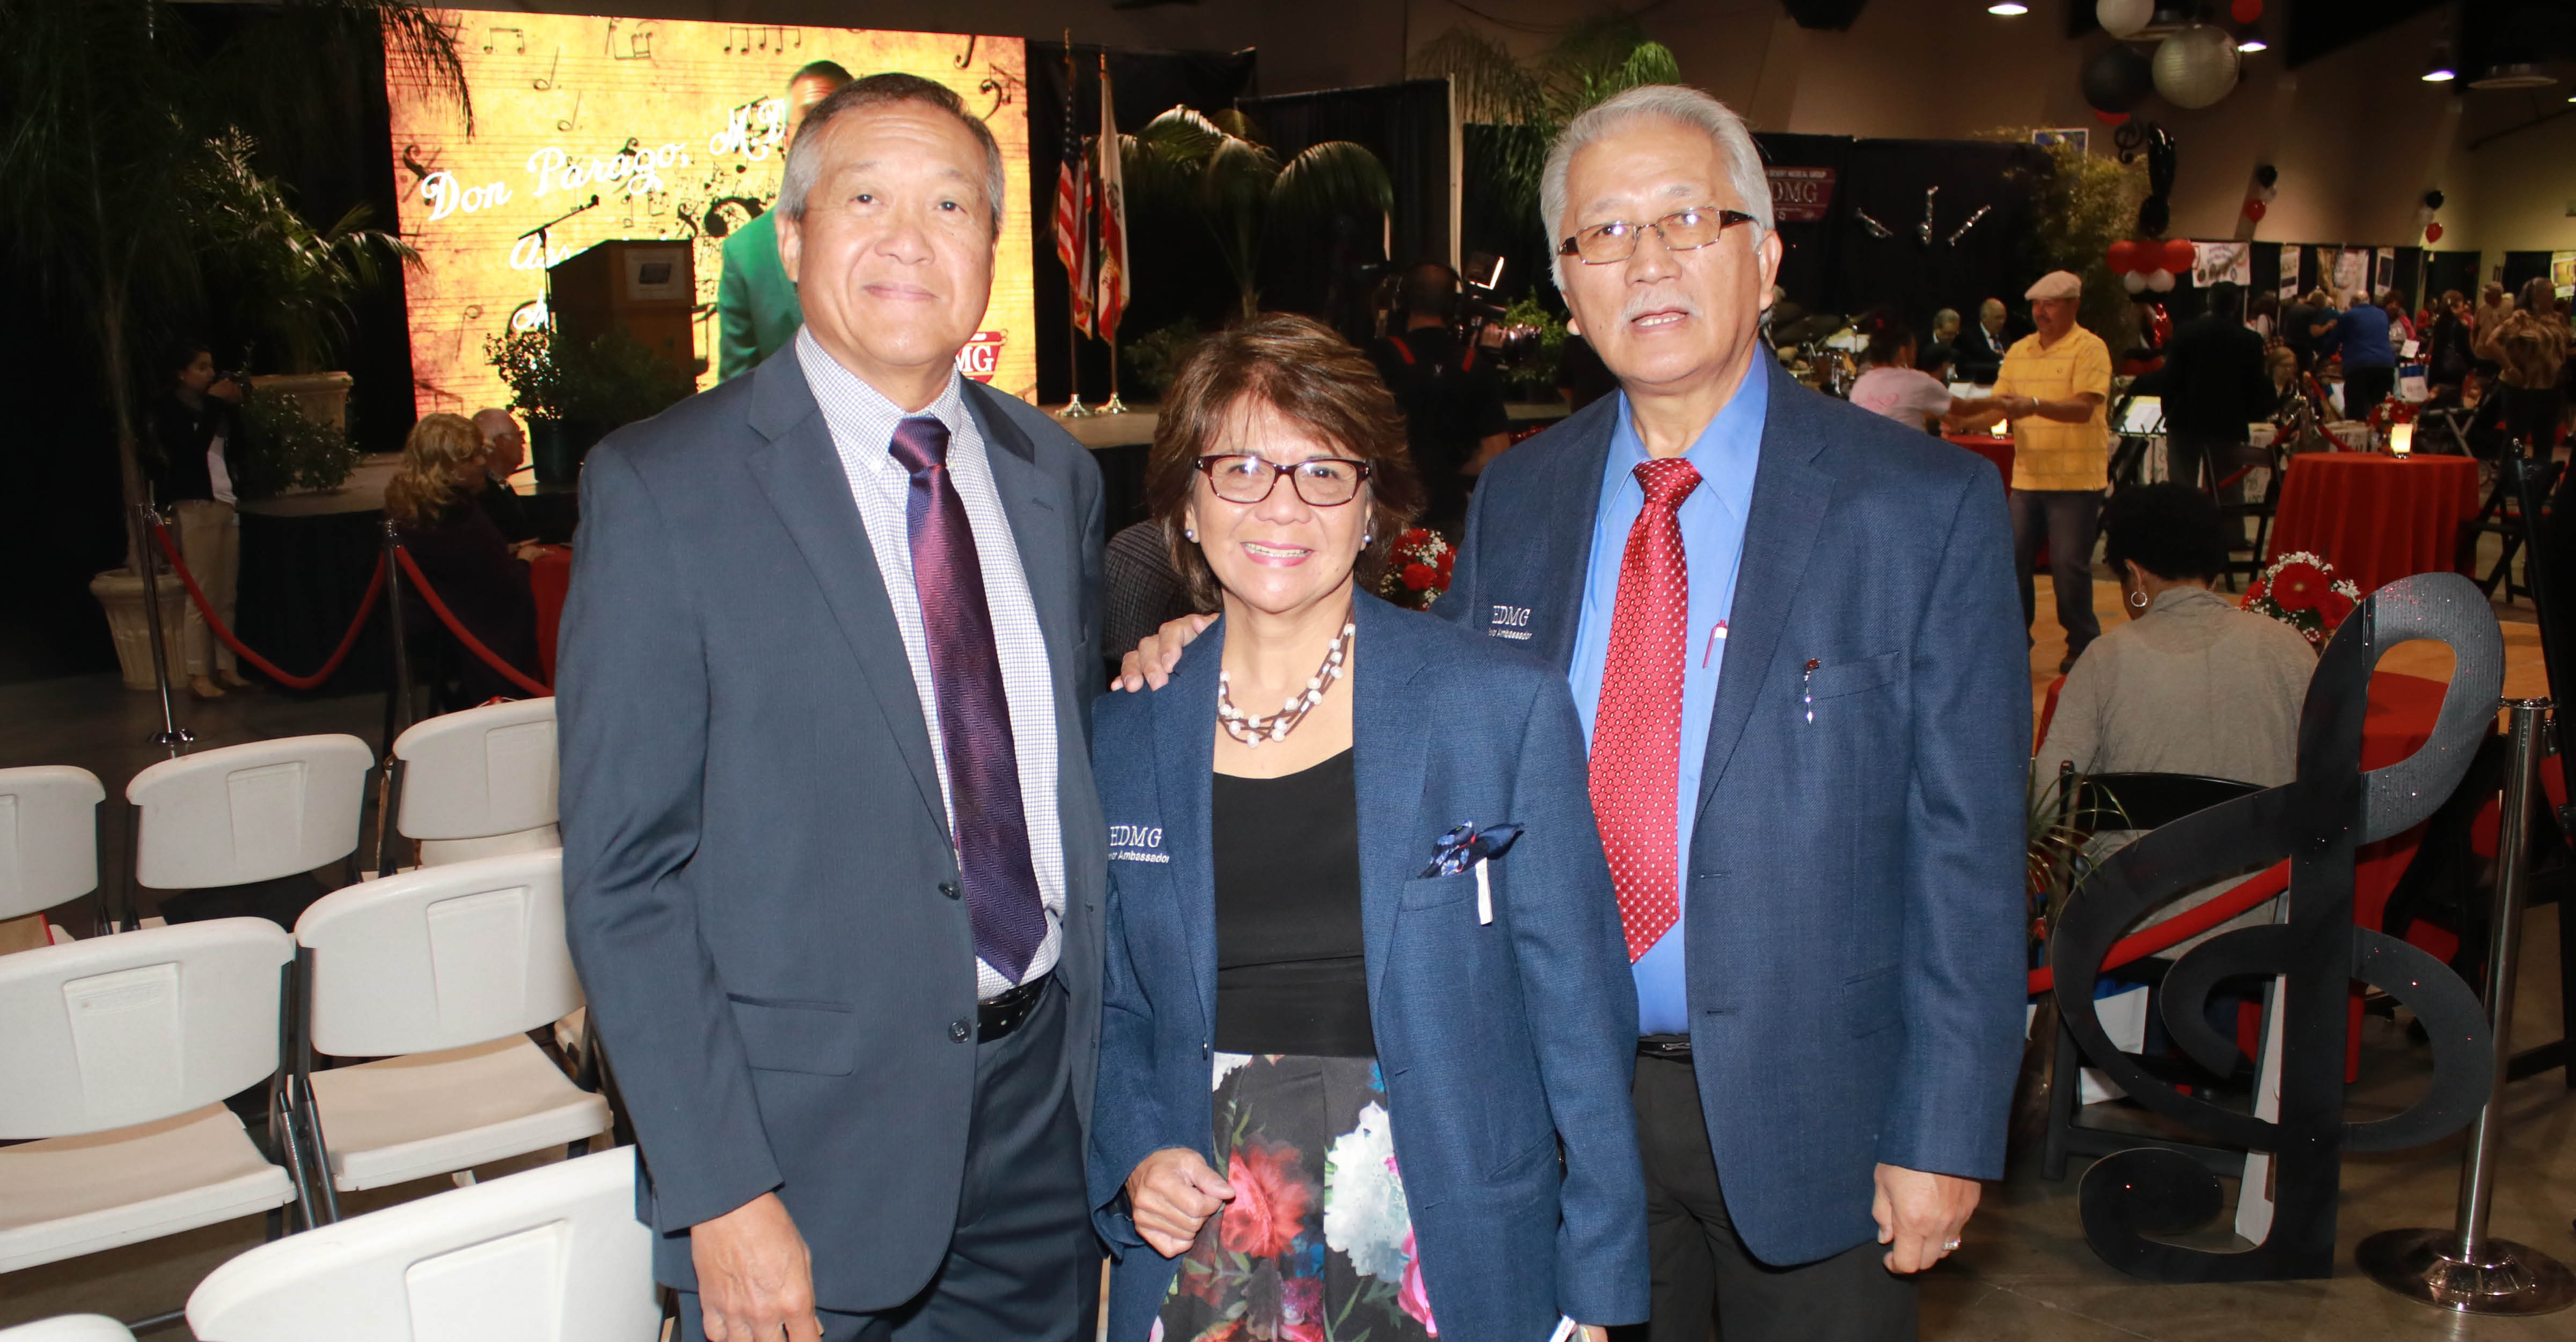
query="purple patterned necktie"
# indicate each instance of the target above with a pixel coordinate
(974, 714)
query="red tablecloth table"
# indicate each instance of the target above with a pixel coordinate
(549, 577)
(1997, 450)
(2376, 518)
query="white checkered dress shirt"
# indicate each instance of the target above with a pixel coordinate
(863, 421)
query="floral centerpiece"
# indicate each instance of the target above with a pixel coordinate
(1417, 570)
(2300, 589)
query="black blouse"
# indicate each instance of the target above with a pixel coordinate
(1290, 977)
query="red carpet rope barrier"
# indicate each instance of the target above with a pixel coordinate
(454, 626)
(2183, 926)
(366, 606)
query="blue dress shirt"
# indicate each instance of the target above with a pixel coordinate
(1712, 522)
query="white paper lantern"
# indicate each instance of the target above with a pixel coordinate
(2196, 67)
(2134, 282)
(2123, 18)
(2160, 280)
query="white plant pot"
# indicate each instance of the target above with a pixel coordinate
(323, 397)
(121, 594)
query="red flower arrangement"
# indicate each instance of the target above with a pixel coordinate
(1417, 570)
(2300, 589)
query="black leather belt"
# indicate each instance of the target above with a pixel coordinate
(1669, 1047)
(997, 1016)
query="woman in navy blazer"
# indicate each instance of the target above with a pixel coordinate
(1360, 1065)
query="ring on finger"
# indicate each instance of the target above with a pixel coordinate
(1950, 1246)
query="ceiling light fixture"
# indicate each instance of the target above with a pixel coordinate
(2249, 42)
(2438, 70)
(2011, 9)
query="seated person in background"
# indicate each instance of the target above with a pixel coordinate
(1140, 591)
(2191, 685)
(1451, 394)
(505, 449)
(1892, 386)
(1981, 347)
(2289, 385)
(462, 553)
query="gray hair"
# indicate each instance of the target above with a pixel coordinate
(804, 161)
(1678, 103)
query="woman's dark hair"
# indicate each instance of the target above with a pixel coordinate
(1312, 377)
(1887, 334)
(1935, 361)
(2265, 305)
(2171, 530)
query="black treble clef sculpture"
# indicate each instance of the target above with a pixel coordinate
(2317, 821)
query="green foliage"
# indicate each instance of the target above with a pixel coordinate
(287, 451)
(525, 360)
(2078, 209)
(1154, 358)
(610, 380)
(1595, 59)
(1220, 169)
(290, 281)
(106, 114)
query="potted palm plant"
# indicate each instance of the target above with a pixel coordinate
(1217, 167)
(118, 117)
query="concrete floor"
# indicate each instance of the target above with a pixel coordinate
(2025, 1271)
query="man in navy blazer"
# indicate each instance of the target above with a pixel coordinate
(833, 862)
(1792, 633)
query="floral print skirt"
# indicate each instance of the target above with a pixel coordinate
(1317, 1245)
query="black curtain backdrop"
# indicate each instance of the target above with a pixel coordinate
(1178, 272)
(1330, 270)
(2452, 270)
(2521, 268)
(1810, 260)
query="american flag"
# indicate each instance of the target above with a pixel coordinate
(1113, 214)
(1073, 207)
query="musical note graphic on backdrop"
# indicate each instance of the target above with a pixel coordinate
(678, 128)
(2316, 821)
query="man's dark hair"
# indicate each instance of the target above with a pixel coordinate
(1431, 290)
(2226, 299)
(830, 70)
(878, 91)
(2171, 530)
(179, 353)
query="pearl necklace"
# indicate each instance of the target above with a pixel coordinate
(1253, 731)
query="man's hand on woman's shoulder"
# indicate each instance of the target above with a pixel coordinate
(1149, 665)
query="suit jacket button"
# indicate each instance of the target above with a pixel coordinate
(948, 888)
(960, 1031)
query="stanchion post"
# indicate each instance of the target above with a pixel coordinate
(398, 692)
(172, 735)
(2463, 1268)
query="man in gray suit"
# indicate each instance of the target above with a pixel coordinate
(833, 861)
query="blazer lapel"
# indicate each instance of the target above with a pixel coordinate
(1037, 529)
(800, 471)
(1567, 566)
(1391, 738)
(1789, 499)
(1184, 762)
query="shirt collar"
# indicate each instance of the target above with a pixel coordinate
(2174, 598)
(1726, 452)
(864, 416)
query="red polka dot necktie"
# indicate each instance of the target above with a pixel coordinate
(1637, 730)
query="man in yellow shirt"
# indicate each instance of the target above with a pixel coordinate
(2054, 384)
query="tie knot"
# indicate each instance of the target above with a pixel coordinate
(1667, 481)
(920, 443)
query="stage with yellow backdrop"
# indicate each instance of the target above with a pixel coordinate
(587, 130)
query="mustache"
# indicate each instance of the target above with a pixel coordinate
(1645, 303)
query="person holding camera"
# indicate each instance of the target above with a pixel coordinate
(1450, 391)
(196, 423)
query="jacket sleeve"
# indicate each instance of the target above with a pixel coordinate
(1458, 605)
(632, 711)
(1127, 1118)
(1582, 1008)
(1962, 975)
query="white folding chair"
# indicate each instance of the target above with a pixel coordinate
(552, 1254)
(48, 839)
(116, 1053)
(256, 812)
(69, 1328)
(439, 973)
(479, 783)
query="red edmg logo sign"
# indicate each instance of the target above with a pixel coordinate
(982, 356)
